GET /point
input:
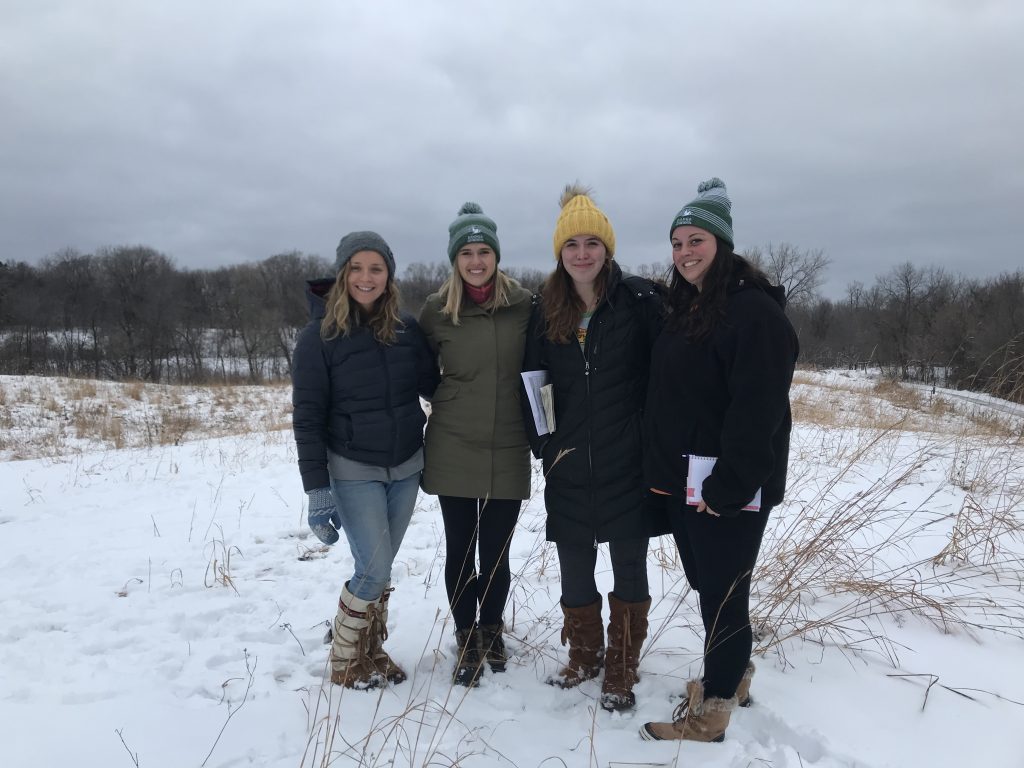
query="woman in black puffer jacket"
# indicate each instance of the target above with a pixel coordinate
(358, 371)
(592, 332)
(719, 388)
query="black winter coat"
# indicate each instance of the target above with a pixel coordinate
(356, 396)
(725, 396)
(595, 492)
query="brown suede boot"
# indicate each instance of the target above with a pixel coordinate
(627, 630)
(743, 689)
(583, 630)
(695, 719)
(351, 665)
(378, 634)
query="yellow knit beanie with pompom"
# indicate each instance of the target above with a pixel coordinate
(580, 216)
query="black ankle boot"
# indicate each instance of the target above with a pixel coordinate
(493, 646)
(468, 662)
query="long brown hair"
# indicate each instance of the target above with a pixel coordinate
(343, 314)
(563, 307)
(698, 313)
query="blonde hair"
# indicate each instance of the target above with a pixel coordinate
(451, 293)
(343, 315)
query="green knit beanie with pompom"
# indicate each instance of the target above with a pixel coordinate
(711, 209)
(472, 226)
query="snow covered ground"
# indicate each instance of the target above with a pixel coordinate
(163, 605)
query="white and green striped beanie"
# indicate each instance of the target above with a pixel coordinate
(710, 210)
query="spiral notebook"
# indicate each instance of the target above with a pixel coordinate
(699, 469)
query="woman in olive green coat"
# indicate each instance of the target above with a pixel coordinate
(477, 459)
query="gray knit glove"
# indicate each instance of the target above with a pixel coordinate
(324, 518)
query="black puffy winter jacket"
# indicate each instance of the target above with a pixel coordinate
(357, 396)
(595, 491)
(725, 396)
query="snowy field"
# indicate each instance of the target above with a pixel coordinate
(164, 601)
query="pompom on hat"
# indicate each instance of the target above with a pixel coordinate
(471, 225)
(580, 216)
(711, 209)
(354, 242)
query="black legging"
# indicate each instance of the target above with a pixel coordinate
(491, 521)
(718, 555)
(629, 571)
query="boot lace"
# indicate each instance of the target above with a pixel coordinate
(693, 702)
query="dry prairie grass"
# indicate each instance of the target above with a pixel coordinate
(54, 416)
(81, 389)
(839, 401)
(842, 559)
(92, 421)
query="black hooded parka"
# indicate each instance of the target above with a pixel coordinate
(726, 396)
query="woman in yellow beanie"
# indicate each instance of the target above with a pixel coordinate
(477, 459)
(592, 331)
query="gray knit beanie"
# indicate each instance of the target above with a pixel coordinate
(354, 242)
(472, 226)
(710, 210)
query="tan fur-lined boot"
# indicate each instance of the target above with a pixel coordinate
(583, 631)
(695, 719)
(378, 634)
(743, 689)
(627, 630)
(351, 665)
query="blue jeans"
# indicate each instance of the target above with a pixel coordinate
(374, 516)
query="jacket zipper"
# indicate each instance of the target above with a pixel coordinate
(586, 378)
(391, 414)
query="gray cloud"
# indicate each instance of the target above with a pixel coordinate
(222, 133)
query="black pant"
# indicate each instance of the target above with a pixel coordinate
(629, 571)
(491, 522)
(718, 555)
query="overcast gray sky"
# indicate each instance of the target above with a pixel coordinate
(225, 132)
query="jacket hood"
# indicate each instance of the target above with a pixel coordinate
(743, 278)
(316, 296)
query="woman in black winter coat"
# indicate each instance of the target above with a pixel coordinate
(719, 388)
(358, 371)
(592, 332)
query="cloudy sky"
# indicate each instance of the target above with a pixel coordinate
(225, 132)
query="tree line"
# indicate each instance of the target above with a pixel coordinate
(128, 312)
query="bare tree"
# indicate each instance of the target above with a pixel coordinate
(418, 281)
(137, 283)
(800, 271)
(658, 271)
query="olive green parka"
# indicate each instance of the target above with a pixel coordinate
(475, 444)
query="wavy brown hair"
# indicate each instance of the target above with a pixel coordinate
(451, 293)
(698, 313)
(343, 315)
(563, 308)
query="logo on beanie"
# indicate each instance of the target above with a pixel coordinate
(475, 230)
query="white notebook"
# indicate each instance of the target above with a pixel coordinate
(700, 468)
(540, 394)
